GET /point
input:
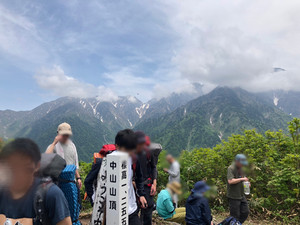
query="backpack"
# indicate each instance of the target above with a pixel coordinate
(53, 170)
(230, 221)
(152, 153)
(51, 167)
(106, 149)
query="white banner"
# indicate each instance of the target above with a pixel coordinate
(117, 189)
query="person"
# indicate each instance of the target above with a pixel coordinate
(197, 208)
(235, 189)
(174, 172)
(166, 205)
(17, 206)
(148, 166)
(63, 146)
(126, 141)
(91, 178)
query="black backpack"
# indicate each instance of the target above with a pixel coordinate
(51, 167)
(230, 221)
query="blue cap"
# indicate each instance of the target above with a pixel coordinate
(242, 159)
(200, 187)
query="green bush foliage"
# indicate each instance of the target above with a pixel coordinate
(274, 170)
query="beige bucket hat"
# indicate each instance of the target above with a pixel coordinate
(64, 129)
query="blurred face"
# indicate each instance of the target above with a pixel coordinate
(65, 138)
(238, 164)
(22, 170)
(169, 159)
(140, 147)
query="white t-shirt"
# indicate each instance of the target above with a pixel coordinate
(132, 205)
(68, 152)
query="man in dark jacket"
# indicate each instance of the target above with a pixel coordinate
(148, 167)
(197, 209)
(90, 181)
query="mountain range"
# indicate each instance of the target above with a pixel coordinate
(180, 121)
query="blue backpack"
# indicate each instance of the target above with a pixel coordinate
(230, 221)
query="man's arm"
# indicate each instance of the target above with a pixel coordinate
(139, 179)
(230, 177)
(168, 203)
(176, 170)
(237, 180)
(77, 174)
(51, 148)
(154, 176)
(91, 177)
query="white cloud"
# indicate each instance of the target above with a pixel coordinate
(56, 81)
(237, 43)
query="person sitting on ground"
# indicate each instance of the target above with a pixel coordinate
(63, 146)
(22, 159)
(197, 209)
(166, 205)
(235, 189)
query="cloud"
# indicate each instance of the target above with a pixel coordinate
(152, 51)
(237, 43)
(56, 81)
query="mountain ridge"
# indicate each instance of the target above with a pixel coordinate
(215, 115)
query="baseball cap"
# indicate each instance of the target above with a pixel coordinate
(64, 129)
(242, 159)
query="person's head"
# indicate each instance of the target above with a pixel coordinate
(126, 141)
(141, 141)
(200, 188)
(22, 158)
(65, 130)
(241, 160)
(175, 187)
(170, 158)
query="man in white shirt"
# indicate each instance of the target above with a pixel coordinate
(63, 146)
(126, 142)
(174, 173)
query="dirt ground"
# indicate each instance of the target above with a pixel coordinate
(217, 219)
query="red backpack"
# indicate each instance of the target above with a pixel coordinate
(106, 149)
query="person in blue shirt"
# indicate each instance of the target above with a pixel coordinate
(21, 158)
(166, 206)
(197, 208)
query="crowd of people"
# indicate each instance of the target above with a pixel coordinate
(21, 159)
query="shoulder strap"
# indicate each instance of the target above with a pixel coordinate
(40, 205)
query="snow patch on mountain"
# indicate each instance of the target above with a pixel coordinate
(211, 121)
(129, 122)
(83, 103)
(142, 109)
(220, 135)
(275, 100)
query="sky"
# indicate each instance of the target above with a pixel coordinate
(147, 49)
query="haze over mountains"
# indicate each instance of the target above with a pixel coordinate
(180, 121)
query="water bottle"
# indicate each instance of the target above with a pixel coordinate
(246, 187)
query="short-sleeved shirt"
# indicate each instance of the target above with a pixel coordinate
(235, 191)
(67, 151)
(22, 210)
